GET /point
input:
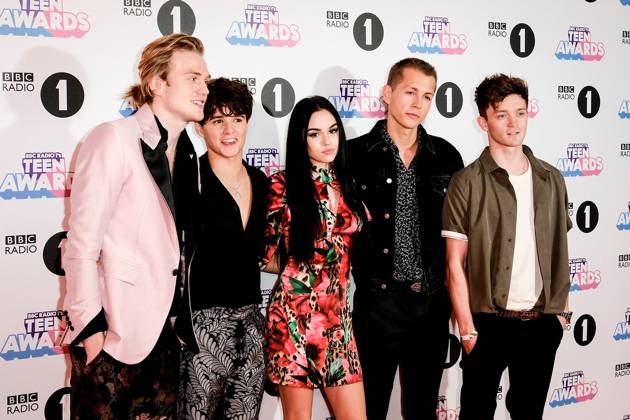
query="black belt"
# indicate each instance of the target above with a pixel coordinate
(522, 315)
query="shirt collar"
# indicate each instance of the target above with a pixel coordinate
(489, 165)
(379, 134)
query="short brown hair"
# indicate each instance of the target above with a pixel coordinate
(227, 96)
(396, 72)
(155, 60)
(494, 89)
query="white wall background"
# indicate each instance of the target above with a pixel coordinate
(98, 43)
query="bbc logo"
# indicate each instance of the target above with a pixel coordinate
(22, 398)
(247, 81)
(497, 25)
(137, 3)
(20, 239)
(332, 14)
(17, 77)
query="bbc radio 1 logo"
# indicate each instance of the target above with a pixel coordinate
(588, 99)
(356, 100)
(176, 16)
(586, 215)
(18, 82)
(265, 159)
(580, 46)
(262, 27)
(444, 412)
(368, 31)
(581, 277)
(579, 161)
(44, 174)
(622, 369)
(625, 37)
(40, 336)
(624, 109)
(137, 8)
(20, 244)
(522, 38)
(623, 223)
(437, 37)
(337, 19)
(250, 82)
(43, 18)
(575, 389)
(624, 150)
(22, 403)
(622, 330)
(623, 261)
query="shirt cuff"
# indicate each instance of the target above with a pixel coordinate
(97, 324)
(454, 235)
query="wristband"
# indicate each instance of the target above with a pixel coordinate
(469, 336)
(566, 315)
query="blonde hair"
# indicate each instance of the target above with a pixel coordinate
(154, 61)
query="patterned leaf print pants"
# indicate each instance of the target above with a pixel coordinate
(225, 380)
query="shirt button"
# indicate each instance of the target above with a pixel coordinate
(383, 286)
(363, 187)
(388, 180)
(507, 268)
(175, 272)
(385, 251)
(386, 216)
(384, 148)
(509, 239)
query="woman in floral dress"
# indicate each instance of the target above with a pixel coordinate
(313, 215)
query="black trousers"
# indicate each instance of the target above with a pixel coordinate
(527, 349)
(110, 389)
(401, 329)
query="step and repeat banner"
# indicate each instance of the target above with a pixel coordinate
(65, 64)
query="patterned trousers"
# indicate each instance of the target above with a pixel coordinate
(109, 389)
(225, 380)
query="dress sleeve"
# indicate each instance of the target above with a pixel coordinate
(277, 217)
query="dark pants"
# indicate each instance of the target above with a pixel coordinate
(401, 329)
(109, 389)
(527, 349)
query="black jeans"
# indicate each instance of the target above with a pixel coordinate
(401, 329)
(527, 349)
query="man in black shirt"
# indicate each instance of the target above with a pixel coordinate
(401, 307)
(223, 368)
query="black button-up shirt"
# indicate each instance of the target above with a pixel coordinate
(224, 270)
(407, 234)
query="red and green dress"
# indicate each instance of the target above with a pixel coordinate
(309, 326)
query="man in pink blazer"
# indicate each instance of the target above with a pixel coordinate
(122, 256)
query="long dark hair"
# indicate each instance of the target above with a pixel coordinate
(300, 189)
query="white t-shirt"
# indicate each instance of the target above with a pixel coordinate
(526, 282)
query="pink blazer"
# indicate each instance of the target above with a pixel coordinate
(122, 246)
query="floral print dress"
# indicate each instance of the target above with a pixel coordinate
(309, 336)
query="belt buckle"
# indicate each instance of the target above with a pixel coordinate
(416, 287)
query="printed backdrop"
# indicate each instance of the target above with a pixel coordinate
(65, 64)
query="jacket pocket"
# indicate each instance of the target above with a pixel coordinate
(439, 184)
(119, 270)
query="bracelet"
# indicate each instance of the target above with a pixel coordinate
(566, 315)
(469, 336)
